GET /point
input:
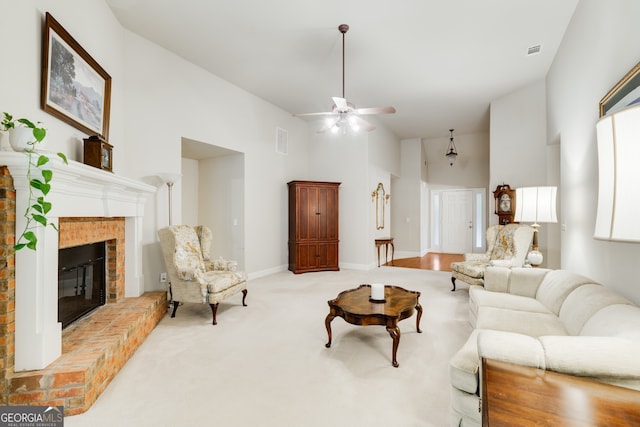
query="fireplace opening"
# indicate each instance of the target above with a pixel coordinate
(81, 281)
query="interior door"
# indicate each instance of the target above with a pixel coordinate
(457, 221)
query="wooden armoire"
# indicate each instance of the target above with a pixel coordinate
(313, 226)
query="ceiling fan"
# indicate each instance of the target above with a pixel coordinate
(344, 113)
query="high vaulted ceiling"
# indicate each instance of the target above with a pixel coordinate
(440, 63)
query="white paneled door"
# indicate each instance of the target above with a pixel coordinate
(457, 221)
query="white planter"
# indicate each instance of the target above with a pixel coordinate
(4, 141)
(19, 138)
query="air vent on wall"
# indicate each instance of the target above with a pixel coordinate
(282, 141)
(534, 49)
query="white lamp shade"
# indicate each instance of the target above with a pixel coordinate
(618, 137)
(536, 204)
(169, 178)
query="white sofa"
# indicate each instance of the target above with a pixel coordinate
(547, 319)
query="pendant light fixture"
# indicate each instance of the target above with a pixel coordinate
(451, 150)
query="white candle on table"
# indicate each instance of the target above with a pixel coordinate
(377, 291)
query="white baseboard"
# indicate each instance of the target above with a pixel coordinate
(351, 266)
(267, 272)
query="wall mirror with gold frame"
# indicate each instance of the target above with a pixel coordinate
(381, 199)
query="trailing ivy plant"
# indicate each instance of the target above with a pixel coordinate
(39, 177)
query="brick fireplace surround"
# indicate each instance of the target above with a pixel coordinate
(95, 348)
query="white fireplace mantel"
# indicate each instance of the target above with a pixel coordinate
(77, 190)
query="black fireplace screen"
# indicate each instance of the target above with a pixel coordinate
(81, 281)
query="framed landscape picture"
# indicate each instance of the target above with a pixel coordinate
(625, 93)
(75, 88)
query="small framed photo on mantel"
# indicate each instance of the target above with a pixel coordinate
(98, 153)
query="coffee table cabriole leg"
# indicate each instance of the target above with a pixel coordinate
(419, 316)
(327, 324)
(394, 331)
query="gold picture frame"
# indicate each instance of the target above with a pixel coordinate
(626, 92)
(75, 88)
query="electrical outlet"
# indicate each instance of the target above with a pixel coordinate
(163, 277)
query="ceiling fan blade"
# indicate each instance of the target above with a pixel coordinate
(329, 123)
(362, 123)
(340, 103)
(324, 113)
(380, 110)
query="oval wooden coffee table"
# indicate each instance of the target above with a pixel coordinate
(355, 307)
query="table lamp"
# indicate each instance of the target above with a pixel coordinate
(535, 204)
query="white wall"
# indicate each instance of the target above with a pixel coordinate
(202, 107)
(21, 26)
(407, 202)
(384, 164)
(190, 197)
(518, 139)
(521, 156)
(358, 161)
(221, 205)
(471, 169)
(601, 44)
(343, 158)
(158, 98)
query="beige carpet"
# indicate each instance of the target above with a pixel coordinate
(267, 365)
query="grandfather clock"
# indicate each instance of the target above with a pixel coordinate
(505, 203)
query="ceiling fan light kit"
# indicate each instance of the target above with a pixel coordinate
(344, 115)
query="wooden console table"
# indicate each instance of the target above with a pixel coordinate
(386, 242)
(524, 396)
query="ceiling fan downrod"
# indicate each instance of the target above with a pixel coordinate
(343, 29)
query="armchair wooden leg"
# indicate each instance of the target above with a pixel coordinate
(244, 295)
(214, 310)
(175, 307)
(453, 280)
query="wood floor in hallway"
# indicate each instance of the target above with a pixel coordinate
(431, 261)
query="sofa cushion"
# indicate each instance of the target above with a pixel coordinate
(522, 349)
(555, 287)
(603, 358)
(521, 322)
(480, 297)
(616, 320)
(522, 281)
(583, 302)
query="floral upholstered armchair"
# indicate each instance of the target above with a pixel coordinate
(193, 276)
(507, 246)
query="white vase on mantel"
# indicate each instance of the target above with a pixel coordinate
(20, 137)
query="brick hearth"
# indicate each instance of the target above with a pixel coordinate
(95, 348)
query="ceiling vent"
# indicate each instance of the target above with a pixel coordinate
(282, 141)
(534, 49)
